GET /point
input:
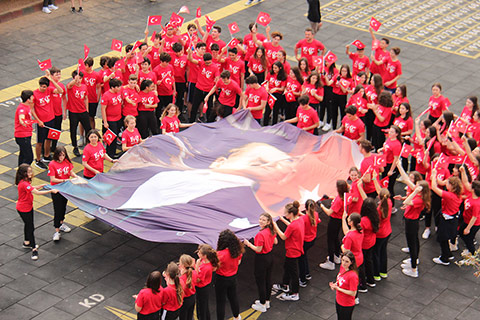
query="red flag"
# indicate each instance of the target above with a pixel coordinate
(375, 24)
(120, 64)
(359, 44)
(86, 51)
(184, 9)
(406, 150)
(330, 57)
(136, 45)
(210, 23)
(263, 18)
(233, 43)
(53, 134)
(29, 121)
(81, 65)
(384, 182)
(109, 136)
(117, 45)
(442, 161)
(423, 112)
(152, 38)
(44, 65)
(233, 28)
(289, 96)
(456, 159)
(176, 20)
(271, 100)
(205, 107)
(317, 61)
(185, 37)
(199, 13)
(380, 161)
(375, 44)
(154, 20)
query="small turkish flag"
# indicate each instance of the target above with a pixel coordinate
(116, 45)
(406, 150)
(263, 18)
(154, 20)
(185, 37)
(317, 61)
(384, 182)
(53, 134)
(271, 100)
(375, 24)
(120, 64)
(209, 22)
(136, 45)
(442, 161)
(359, 44)
(233, 28)
(81, 65)
(380, 161)
(152, 38)
(330, 57)
(205, 107)
(44, 65)
(199, 12)
(456, 159)
(176, 20)
(184, 9)
(30, 121)
(86, 50)
(430, 143)
(233, 43)
(109, 136)
(375, 44)
(289, 96)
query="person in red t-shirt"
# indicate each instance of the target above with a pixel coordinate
(130, 97)
(153, 51)
(59, 102)
(307, 117)
(146, 72)
(380, 54)
(257, 64)
(315, 90)
(60, 169)
(192, 72)
(352, 241)
(311, 221)
(93, 80)
(209, 39)
(471, 215)
(393, 70)
(263, 245)
(23, 127)
(170, 121)
(93, 155)
(207, 261)
(112, 112)
(334, 225)
(276, 84)
(292, 92)
(23, 180)
(272, 48)
(383, 114)
(236, 66)
(309, 47)
(346, 286)
(341, 88)
(370, 223)
(437, 103)
(294, 237)
(77, 106)
(359, 59)
(391, 150)
(130, 136)
(148, 302)
(229, 251)
(188, 278)
(255, 98)
(170, 38)
(166, 89)
(230, 94)
(352, 127)
(252, 41)
(147, 104)
(172, 294)
(179, 63)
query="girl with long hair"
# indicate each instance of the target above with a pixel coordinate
(372, 91)
(229, 251)
(292, 92)
(346, 286)
(304, 68)
(370, 223)
(404, 121)
(354, 197)
(172, 294)
(170, 121)
(147, 109)
(470, 223)
(471, 106)
(130, 136)
(353, 239)
(206, 263)
(391, 150)
(437, 103)
(399, 97)
(359, 100)
(263, 245)
(276, 83)
(314, 89)
(93, 155)
(367, 167)
(341, 88)
(148, 301)
(311, 221)
(188, 277)
(383, 114)
(258, 64)
(328, 79)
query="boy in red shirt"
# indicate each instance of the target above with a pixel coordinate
(229, 92)
(307, 117)
(393, 70)
(192, 73)
(236, 66)
(359, 59)
(255, 98)
(59, 102)
(111, 105)
(380, 56)
(352, 127)
(252, 40)
(309, 47)
(77, 106)
(23, 128)
(146, 72)
(93, 81)
(166, 89)
(179, 63)
(209, 39)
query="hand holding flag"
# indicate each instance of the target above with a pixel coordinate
(109, 136)
(263, 18)
(44, 65)
(86, 51)
(375, 24)
(117, 45)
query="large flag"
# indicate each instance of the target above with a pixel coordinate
(190, 186)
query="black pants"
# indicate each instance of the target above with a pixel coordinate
(260, 76)
(59, 209)
(203, 311)
(338, 104)
(150, 316)
(303, 266)
(333, 229)
(57, 124)
(411, 233)
(368, 121)
(378, 136)
(181, 88)
(198, 98)
(344, 313)
(46, 3)
(326, 104)
(26, 152)
(75, 118)
(380, 256)
(434, 211)
(147, 124)
(391, 180)
(162, 104)
(29, 227)
(170, 315)
(361, 277)
(263, 275)
(226, 287)
(115, 127)
(290, 274)
(291, 110)
(447, 230)
(368, 262)
(468, 238)
(278, 107)
(188, 306)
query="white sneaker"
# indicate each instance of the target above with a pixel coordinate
(249, 2)
(437, 260)
(327, 265)
(426, 233)
(65, 228)
(321, 124)
(394, 210)
(327, 127)
(52, 7)
(337, 259)
(409, 261)
(267, 303)
(453, 247)
(280, 287)
(259, 307)
(238, 318)
(357, 301)
(46, 10)
(406, 250)
(288, 297)
(410, 272)
(406, 266)
(89, 216)
(56, 236)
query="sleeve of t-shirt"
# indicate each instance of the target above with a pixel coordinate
(104, 101)
(164, 124)
(237, 88)
(347, 242)
(361, 126)
(289, 230)
(86, 154)
(155, 99)
(396, 149)
(344, 120)
(299, 44)
(352, 282)
(259, 240)
(352, 55)
(476, 211)
(399, 69)
(315, 117)
(264, 95)
(140, 300)
(124, 136)
(51, 169)
(337, 204)
(320, 45)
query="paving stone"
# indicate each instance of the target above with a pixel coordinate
(15, 268)
(54, 313)
(406, 306)
(9, 297)
(17, 312)
(71, 305)
(63, 288)
(9, 253)
(440, 311)
(454, 300)
(390, 314)
(423, 295)
(39, 301)
(27, 284)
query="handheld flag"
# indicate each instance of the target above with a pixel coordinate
(116, 45)
(233, 28)
(330, 57)
(375, 24)
(81, 65)
(176, 20)
(44, 65)
(53, 134)
(199, 13)
(359, 44)
(152, 38)
(184, 9)
(154, 20)
(109, 136)
(263, 18)
(233, 43)
(271, 100)
(384, 182)
(86, 51)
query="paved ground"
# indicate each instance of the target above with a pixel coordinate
(94, 270)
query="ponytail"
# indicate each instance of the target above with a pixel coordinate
(355, 218)
(210, 253)
(187, 262)
(384, 196)
(293, 207)
(173, 273)
(310, 207)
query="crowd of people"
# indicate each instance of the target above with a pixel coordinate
(171, 81)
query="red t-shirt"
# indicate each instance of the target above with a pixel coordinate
(353, 241)
(398, 100)
(310, 89)
(385, 227)
(76, 98)
(57, 99)
(337, 207)
(204, 274)
(255, 65)
(472, 209)
(43, 104)
(392, 70)
(353, 129)
(171, 124)
(295, 234)
(93, 156)
(360, 102)
(348, 281)
(384, 112)
(236, 69)
(169, 298)
(105, 73)
(391, 148)
(131, 66)
(131, 138)
(354, 206)
(413, 212)
(211, 41)
(437, 105)
(228, 266)
(369, 236)
(250, 45)
(147, 98)
(255, 97)
(450, 203)
(59, 170)
(169, 41)
(206, 76)
(129, 108)
(293, 85)
(228, 93)
(146, 76)
(154, 56)
(149, 301)
(368, 162)
(404, 125)
(167, 77)
(91, 80)
(371, 94)
(179, 65)
(193, 68)
(266, 239)
(380, 55)
(25, 196)
(307, 118)
(21, 131)
(310, 231)
(187, 292)
(359, 64)
(113, 103)
(309, 49)
(274, 83)
(345, 82)
(271, 52)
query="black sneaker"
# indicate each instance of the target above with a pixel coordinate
(40, 165)
(73, 10)
(47, 159)
(34, 255)
(80, 10)
(26, 246)
(76, 152)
